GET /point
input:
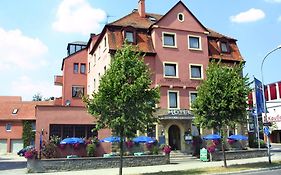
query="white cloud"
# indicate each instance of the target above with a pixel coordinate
(27, 87)
(77, 16)
(251, 15)
(273, 1)
(20, 51)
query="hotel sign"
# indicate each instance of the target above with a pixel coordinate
(179, 114)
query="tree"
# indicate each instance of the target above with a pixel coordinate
(222, 99)
(27, 134)
(37, 97)
(124, 101)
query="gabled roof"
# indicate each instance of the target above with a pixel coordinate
(133, 19)
(215, 34)
(181, 3)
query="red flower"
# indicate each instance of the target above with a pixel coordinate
(76, 146)
(216, 142)
(62, 146)
(167, 149)
(129, 144)
(211, 149)
(230, 141)
(31, 154)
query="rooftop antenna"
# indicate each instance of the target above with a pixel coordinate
(107, 17)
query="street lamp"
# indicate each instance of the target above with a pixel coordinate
(264, 101)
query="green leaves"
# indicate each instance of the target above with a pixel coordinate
(221, 97)
(124, 98)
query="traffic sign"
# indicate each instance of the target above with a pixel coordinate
(266, 131)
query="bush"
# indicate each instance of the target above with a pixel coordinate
(155, 150)
(55, 140)
(91, 148)
(49, 150)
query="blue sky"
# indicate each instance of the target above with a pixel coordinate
(34, 35)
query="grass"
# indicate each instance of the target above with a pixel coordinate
(231, 168)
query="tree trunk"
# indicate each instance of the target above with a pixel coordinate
(121, 151)
(222, 147)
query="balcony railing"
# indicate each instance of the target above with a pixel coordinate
(58, 80)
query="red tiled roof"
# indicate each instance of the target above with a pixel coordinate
(215, 53)
(218, 35)
(144, 42)
(133, 19)
(26, 110)
(9, 98)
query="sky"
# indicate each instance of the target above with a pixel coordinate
(34, 35)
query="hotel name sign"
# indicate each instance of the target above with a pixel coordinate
(181, 114)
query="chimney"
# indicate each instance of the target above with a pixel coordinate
(141, 8)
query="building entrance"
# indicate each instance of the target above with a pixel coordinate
(174, 137)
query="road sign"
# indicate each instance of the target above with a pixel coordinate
(266, 131)
(267, 124)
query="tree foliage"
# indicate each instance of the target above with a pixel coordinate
(222, 98)
(37, 97)
(27, 134)
(124, 101)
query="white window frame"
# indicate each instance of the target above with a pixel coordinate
(190, 75)
(177, 69)
(77, 86)
(9, 130)
(178, 99)
(200, 43)
(182, 17)
(175, 39)
(191, 92)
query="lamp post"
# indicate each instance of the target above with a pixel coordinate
(264, 101)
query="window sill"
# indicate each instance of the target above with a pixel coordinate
(171, 77)
(171, 47)
(194, 49)
(196, 78)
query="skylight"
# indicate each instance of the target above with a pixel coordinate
(15, 111)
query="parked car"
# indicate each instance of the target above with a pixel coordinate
(22, 151)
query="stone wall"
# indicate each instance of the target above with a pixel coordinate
(238, 154)
(63, 164)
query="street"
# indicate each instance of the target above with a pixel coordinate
(271, 172)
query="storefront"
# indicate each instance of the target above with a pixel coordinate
(274, 117)
(175, 129)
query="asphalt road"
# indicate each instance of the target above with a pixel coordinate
(267, 172)
(8, 165)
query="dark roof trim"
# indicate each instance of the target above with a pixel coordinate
(70, 56)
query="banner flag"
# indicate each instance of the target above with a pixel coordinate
(259, 97)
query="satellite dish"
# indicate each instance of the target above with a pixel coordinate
(67, 103)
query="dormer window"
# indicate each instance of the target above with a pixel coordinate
(129, 36)
(224, 47)
(181, 17)
(15, 111)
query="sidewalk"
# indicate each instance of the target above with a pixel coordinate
(176, 165)
(186, 165)
(11, 157)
